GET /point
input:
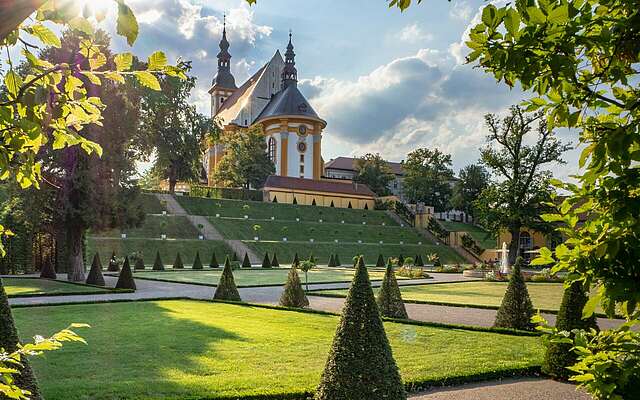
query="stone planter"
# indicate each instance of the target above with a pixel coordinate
(383, 224)
(256, 238)
(401, 242)
(359, 241)
(201, 237)
(284, 239)
(217, 215)
(319, 220)
(474, 273)
(164, 212)
(336, 240)
(297, 219)
(123, 235)
(381, 242)
(311, 240)
(272, 218)
(163, 236)
(246, 217)
(364, 223)
(420, 243)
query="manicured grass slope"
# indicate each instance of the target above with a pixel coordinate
(189, 349)
(168, 249)
(151, 204)
(26, 287)
(287, 212)
(176, 227)
(257, 276)
(484, 238)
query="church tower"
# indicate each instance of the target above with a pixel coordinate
(289, 72)
(224, 84)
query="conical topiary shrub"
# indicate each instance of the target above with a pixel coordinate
(559, 355)
(266, 262)
(95, 273)
(293, 294)
(337, 260)
(158, 265)
(389, 299)
(113, 263)
(214, 261)
(226, 289)
(235, 257)
(516, 310)
(296, 261)
(139, 264)
(125, 278)
(332, 261)
(361, 261)
(197, 264)
(400, 260)
(360, 365)
(9, 342)
(47, 271)
(246, 263)
(380, 262)
(419, 262)
(177, 264)
(274, 261)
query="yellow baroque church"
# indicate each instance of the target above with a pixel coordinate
(271, 100)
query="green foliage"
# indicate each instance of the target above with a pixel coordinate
(418, 261)
(472, 180)
(332, 261)
(427, 179)
(266, 262)
(197, 264)
(360, 364)
(337, 260)
(296, 261)
(125, 277)
(516, 310)
(214, 261)
(226, 289)
(139, 262)
(47, 270)
(246, 263)
(293, 294)
(225, 193)
(400, 260)
(158, 265)
(95, 273)
(113, 263)
(389, 298)
(306, 266)
(380, 262)
(559, 356)
(274, 261)
(373, 171)
(177, 264)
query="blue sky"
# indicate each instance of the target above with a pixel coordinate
(384, 81)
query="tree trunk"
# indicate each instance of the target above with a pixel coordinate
(172, 179)
(514, 245)
(74, 254)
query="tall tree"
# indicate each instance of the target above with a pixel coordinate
(374, 171)
(173, 130)
(245, 163)
(522, 191)
(428, 178)
(472, 180)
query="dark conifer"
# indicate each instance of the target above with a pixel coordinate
(332, 261)
(95, 273)
(197, 264)
(361, 261)
(226, 289)
(47, 271)
(400, 260)
(559, 355)
(516, 309)
(274, 261)
(177, 264)
(158, 265)
(139, 264)
(235, 257)
(293, 294)
(266, 262)
(113, 263)
(337, 260)
(419, 262)
(214, 261)
(390, 299)
(380, 262)
(9, 341)
(246, 263)
(125, 277)
(360, 365)
(296, 261)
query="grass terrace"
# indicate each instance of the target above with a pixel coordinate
(482, 237)
(284, 212)
(196, 350)
(175, 227)
(23, 287)
(151, 204)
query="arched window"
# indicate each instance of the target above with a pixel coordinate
(272, 149)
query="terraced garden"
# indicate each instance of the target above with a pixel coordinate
(485, 239)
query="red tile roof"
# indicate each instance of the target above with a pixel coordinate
(349, 164)
(286, 182)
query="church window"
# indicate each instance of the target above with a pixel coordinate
(272, 149)
(246, 122)
(221, 100)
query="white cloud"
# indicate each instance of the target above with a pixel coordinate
(413, 33)
(461, 10)
(149, 16)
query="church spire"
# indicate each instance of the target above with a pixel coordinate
(224, 77)
(289, 72)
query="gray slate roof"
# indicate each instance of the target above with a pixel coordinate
(288, 101)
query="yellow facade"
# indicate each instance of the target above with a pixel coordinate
(322, 199)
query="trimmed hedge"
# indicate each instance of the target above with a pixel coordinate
(380, 262)
(158, 265)
(246, 263)
(125, 278)
(197, 264)
(214, 261)
(293, 294)
(266, 262)
(226, 289)
(389, 298)
(177, 264)
(95, 273)
(274, 261)
(516, 309)
(139, 264)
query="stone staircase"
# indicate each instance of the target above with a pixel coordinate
(206, 228)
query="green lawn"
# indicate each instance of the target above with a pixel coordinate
(546, 296)
(192, 350)
(151, 204)
(326, 232)
(258, 276)
(346, 252)
(485, 239)
(30, 287)
(148, 247)
(176, 227)
(287, 212)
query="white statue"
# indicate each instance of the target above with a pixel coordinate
(504, 260)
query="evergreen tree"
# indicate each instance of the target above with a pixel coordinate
(214, 261)
(47, 270)
(419, 262)
(158, 265)
(337, 260)
(274, 261)
(197, 264)
(332, 261)
(226, 289)
(296, 261)
(113, 263)
(9, 341)
(361, 261)
(95, 273)
(139, 264)
(246, 263)
(559, 355)
(380, 262)
(266, 263)
(360, 365)
(125, 278)
(177, 264)
(516, 309)
(293, 294)
(235, 257)
(390, 299)
(400, 260)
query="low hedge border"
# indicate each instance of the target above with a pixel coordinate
(105, 290)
